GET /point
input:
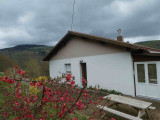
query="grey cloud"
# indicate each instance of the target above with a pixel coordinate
(46, 21)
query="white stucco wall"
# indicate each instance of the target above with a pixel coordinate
(110, 71)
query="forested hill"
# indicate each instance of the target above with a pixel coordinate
(153, 44)
(36, 49)
(27, 57)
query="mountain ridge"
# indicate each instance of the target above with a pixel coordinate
(151, 43)
(24, 46)
(35, 49)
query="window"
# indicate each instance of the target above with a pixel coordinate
(68, 68)
(141, 73)
(152, 73)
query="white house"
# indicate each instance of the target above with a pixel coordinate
(111, 64)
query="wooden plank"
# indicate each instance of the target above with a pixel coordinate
(151, 108)
(141, 113)
(129, 101)
(124, 115)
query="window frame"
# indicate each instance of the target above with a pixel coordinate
(149, 81)
(138, 73)
(67, 71)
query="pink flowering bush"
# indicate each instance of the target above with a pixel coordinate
(52, 99)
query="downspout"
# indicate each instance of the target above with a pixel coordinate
(135, 93)
(137, 48)
(133, 72)
(134, 77)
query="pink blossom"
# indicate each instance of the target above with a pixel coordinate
(5, 114)
(22, 72)
(10, 81)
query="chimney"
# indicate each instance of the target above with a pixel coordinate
(120, 36)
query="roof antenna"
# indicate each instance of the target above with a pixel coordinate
(119, 32)
(73, 14)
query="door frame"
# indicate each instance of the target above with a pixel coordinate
(147, 84)
(81, 72)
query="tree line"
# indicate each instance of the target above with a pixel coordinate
(30, 62)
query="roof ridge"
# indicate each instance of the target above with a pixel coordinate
(92, 35)
(130, 46)
(114, 40)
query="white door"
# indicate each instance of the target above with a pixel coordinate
(147, 79)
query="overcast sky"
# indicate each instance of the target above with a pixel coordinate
(47, 21)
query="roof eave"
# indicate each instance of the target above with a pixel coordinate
(128, 46)
(48, 56)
